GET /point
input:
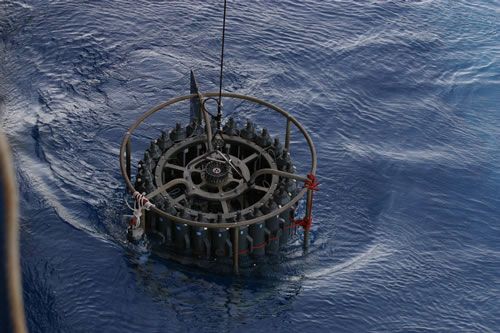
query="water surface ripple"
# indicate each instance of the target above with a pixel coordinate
(401, 99)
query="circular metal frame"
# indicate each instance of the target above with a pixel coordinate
(221, 195)
(290, 119)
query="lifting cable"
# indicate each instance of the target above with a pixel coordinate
(219, 104)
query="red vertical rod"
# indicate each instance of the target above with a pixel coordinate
(308, 217)
(306, 222)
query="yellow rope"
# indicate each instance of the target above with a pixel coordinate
(13, 271)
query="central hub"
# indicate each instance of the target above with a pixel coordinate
(216, 172)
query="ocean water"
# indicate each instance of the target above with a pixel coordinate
(402, 101)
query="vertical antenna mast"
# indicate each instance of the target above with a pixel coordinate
(219, 104)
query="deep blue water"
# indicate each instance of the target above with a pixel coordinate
(401, 98)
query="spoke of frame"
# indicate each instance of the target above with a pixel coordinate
(166, 186)
(225, 206)
(231, 179)
(179, 198)
(203, 183)
(251, 157)
(260, 188)
(174, 166)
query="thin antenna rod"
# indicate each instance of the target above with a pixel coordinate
(219, 104)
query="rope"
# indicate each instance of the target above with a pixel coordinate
(219, 104)
(140, 203)
(9, 222)
(305, 222)
(126, 203)
(205, 108)
(312, 185)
